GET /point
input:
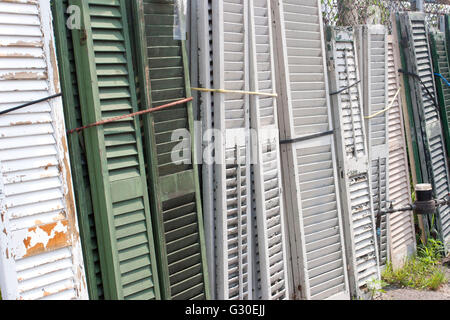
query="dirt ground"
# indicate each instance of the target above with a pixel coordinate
(395, 293)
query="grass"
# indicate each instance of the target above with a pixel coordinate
(421, 271)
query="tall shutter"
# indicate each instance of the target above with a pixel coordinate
(206, 80)
(439, 53)
(40, 248)
(432, 147)
(309, 167)
(402, 238)
(372, 43)
(80, 174)
(114, 151)
(267, 168)
(175, 189)
(353, 158)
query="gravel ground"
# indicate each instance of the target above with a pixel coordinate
(395, 293)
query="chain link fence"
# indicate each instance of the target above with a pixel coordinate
(356, 12)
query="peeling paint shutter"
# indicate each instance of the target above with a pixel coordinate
(267, 167)
(402, 238)
(114, 150)
(353, 160)
(309, 170)
(372, 43)
(175, 187)
(41, 254)
(427, 120)
(80, 174)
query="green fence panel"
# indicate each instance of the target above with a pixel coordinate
(114, 151)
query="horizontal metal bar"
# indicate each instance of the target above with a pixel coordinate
(313, 136)
(346, 88)
(30, 103)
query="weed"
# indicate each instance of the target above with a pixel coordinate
(421, 271)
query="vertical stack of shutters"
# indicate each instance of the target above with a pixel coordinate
(267, 169)
(175, 190)
(40, 251)
(372, 43)
(439, 53)
(80, 175)
(427, 120)
(114, 151)
(402, 240)
(319, 268)
(356, 196)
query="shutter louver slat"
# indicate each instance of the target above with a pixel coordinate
(356, 198)
(115, 157)
(309, 172)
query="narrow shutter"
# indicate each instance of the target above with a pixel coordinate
(427, 120)
(356, 196)
(402, 238)
(206, 80)
(80, 174)
(267, 169)
(372, 43)
(438, 48)
(309, 168)
(175, 189)
(40, 248)
(230, 120)
(114, 150)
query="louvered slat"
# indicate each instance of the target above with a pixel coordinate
(402, 239)
(175, 186)
(309, 168)
(114, 151)
(356, 197)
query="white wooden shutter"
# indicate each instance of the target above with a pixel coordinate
(402, 239)
(309, 167)
(427, 121)
(206, 80)
(266, 151)
(40, 248)
(372, 44)
(232, 154)
(355, 182)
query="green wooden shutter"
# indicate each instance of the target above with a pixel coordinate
(175, 190)
(72, 115)
(114, 151)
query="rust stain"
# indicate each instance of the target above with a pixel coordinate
(34, 44)
(4, 231)
(20, 123)
(46, 294)
(59, 240)
(54, 63)
(7, 253)
(24, 76)
(38, 222)
(16, 55)
(47, 166)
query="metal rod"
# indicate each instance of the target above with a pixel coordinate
(312, 136)
(30, 103)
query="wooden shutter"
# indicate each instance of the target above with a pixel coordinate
(372, 45)
(309, 167)
(353, 159)
(439, 54)
(114, 151)
(267, 168)
(40, 248)
(175, 189)
(402, 237)
(427, 120)
(77, 151)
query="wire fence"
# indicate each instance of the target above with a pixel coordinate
(356, 12)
